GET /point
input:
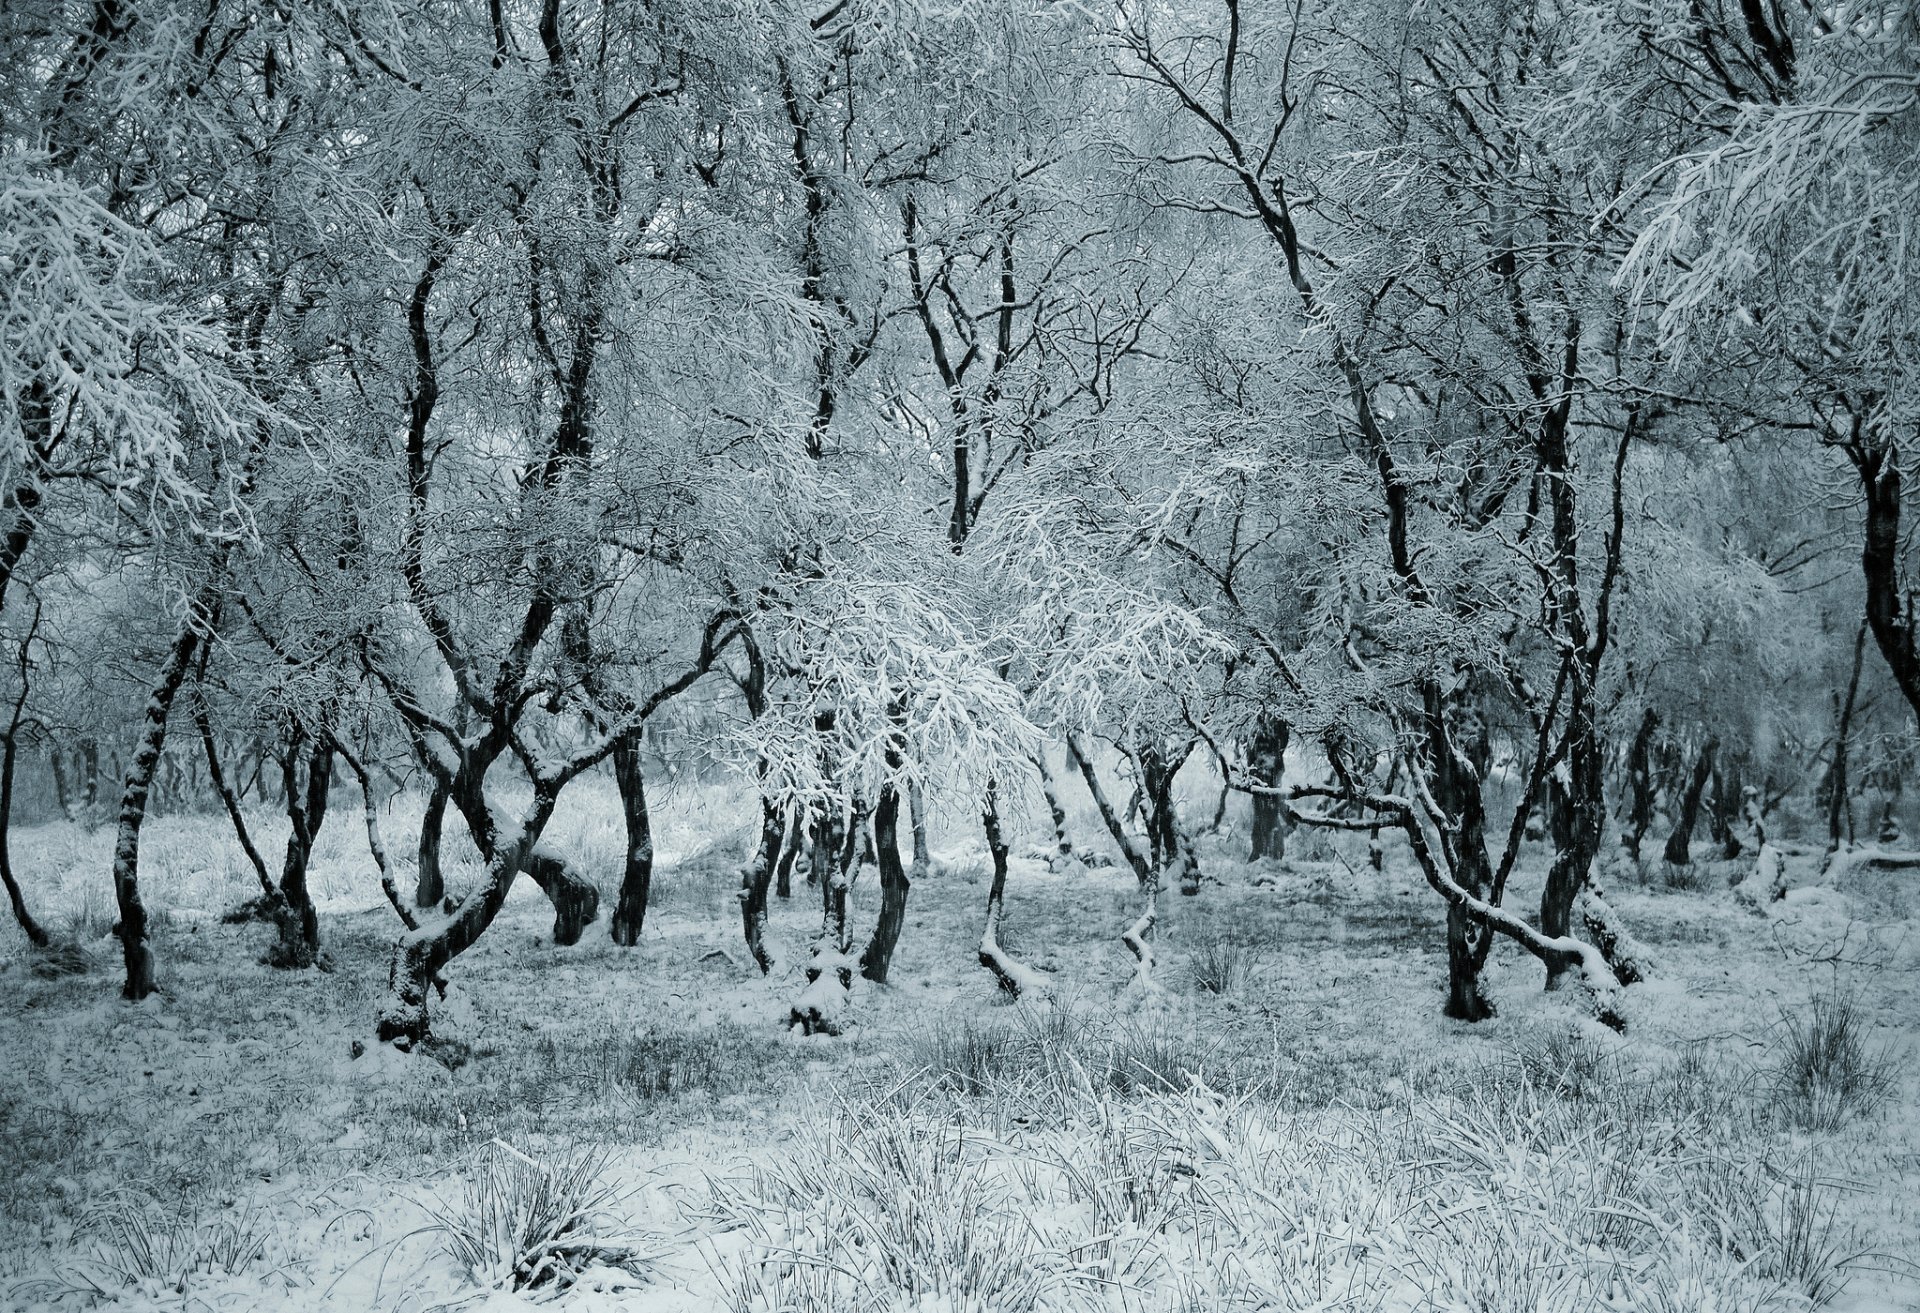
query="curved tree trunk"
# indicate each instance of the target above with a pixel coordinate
(1012, 975)
(9, 747)
(430, 887)
(754, 879)
(630, 913)
(1680, 841)
(228, 799)
(1640, 779)
(1063, 844)
(152, 738)
(1456, 791)
(299, 923)
(576, 901)
(894, 887)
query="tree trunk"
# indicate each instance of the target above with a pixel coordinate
(1640, 779)
(1680, 841)
(576, 901)
(1839, 774)
(227, 798)
(1266, 763)
(35, 933)
(630, 913)
(1063, 845)
(421, 954)
(430, 887)
(894, 887)
(917, 816)
(1013, 976)
(794, 832)
(299, 923)
(1456, 791)
(152, 738)
(754, 879)
(821, 1007)
(62, 791)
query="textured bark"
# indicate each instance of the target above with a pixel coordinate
(1678, 850)
(1456, 781)
(228, 799)
(430, 886)
(894, 887)
(1641, 781)
(789, 851)
(917, 816)
(1063, 844)
(754, 879)
(307, 795)
(821, 1007)
(1839, 774)
(1266, 761)
(135, 950)
(636, 881)
(1013, 976)
(576, 901)
(9, 747)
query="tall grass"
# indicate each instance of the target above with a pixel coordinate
(1826, 1072)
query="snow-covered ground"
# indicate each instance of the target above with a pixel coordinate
(1317, 1137)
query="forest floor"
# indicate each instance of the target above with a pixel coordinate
(1314, 1135)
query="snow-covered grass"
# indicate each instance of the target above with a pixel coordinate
(1314, 1135)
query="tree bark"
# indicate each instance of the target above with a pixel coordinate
(1640, 780)
(1456, 782)
(299, 923)
(1839, 781)
(789, 850)
(1679, 843)
(754, 879)
(1013, 976)
(576, 901)
(630, 912)
(1063, 844)
(430, 887)
(135, 949)
(203, 722)
(9, 747)
(894, 887)
(1266, 762)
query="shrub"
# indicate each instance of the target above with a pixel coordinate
(521, 1224)
(1221, 964)
(1825, 1071)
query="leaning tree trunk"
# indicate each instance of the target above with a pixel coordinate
(917, 818)
(430, 887)
(421, 954)
(1012, 975)
(1679, 843)
(228, 799)
(630, 913)
(894, 887)
(152, 739)
(1138, 936)
(36, 934)
(754, 879)
(576, 901)
(1266, 763)
(1062, 843)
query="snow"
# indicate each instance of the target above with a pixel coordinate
(233, 1102)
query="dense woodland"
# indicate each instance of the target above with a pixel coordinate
(1479, 425)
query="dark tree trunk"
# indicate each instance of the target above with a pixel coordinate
(90, 766)
(576, 901)
(755, 878)
(1640, 780)
(152, 738)
(630, 912)
(62, 791)
(1888, 601)
(1012, 977)
(228, 800)
(789, 850)
(430, 887)
(1456, 791)
(1063, 844)
(1266, 762)
(421, 954)
(1839, 774)
(894, 887)
(35, 933)
(299, 944)
(1679, 843)
(1729, 786)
